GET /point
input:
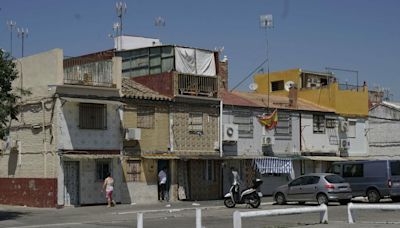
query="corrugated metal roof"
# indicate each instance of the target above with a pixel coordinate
(281, 102)
(132, 89)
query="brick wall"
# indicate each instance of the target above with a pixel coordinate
(32, 192)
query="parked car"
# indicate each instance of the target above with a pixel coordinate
(320, 187)
(374, 179)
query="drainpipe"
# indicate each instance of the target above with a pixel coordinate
(171, 132)
(44, 139)
(301, 133)
(220, 128)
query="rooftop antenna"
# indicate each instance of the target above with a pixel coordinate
(115, 27)
(159, 22)
(266, 22)
(11, 25)
(22, 33)
(120, 8)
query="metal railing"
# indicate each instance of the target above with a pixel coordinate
(197, 85)
(351, 207)
(93, 74)
(237, 215)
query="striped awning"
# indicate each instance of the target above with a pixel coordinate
(273, 165)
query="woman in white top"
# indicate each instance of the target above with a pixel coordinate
(108, 186)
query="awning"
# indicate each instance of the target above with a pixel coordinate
(273, 165)
(165, 156)
(90, 156)
(323, 158)
(94, 101)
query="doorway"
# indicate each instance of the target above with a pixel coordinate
(71, 183)
(160, 165)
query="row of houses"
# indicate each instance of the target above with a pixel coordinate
(140, 107)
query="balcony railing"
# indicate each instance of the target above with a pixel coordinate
(197, 85)
(351, 87)
(91, 74)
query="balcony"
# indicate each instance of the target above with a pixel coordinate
(196, 85)
(98, 74)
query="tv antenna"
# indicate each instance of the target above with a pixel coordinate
(22, 33)
(11, 25)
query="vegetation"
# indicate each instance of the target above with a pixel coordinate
(8, 99)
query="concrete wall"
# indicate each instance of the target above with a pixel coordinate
(383, 134)
(31, 192)
(359, 144)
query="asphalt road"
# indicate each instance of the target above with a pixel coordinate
(182, 214)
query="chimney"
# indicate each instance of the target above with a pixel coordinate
(223, 73)
(293, 96)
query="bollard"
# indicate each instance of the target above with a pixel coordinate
(139, 220)
(198, 218)
(237, 220)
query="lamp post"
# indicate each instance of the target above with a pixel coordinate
(11, 24)
(266, 22)
(22, 33)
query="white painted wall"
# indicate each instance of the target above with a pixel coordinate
(71, 137)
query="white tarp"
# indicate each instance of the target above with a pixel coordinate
(193, 61)
(273, 165)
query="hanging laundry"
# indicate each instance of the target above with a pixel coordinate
(269, 121)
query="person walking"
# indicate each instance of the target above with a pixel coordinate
(162, 181)
(108, 186)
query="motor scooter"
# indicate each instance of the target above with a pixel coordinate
(248, 196)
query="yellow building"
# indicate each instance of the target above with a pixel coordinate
(321, 88)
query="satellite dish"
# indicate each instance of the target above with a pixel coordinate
(253, 86)
(288, 85)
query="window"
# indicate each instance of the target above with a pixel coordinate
(297, 182)
(244, 120)
(351, 133)
(334, 179)
(209, 171)
(284, 124)
(353, 170)
(395, 168)
(102, 169)
(334, 169)
(311, 180)
(330, 123)
(132, 170)
(318, 124)
(277, 85)
(92, 116)
(195, 122)
(145, 117)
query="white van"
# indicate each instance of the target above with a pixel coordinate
(374, 179)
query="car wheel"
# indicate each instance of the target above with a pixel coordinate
(373, 196)
(322, 199)
(280, 198)
(344, 202)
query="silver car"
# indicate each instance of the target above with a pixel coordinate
(319, 187)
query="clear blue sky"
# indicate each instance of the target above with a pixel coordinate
(360, 35)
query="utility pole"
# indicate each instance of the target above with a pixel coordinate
(11, 24)
(266, 22)
(22, 33)
(120, 8)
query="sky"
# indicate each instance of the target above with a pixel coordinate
(357, 35)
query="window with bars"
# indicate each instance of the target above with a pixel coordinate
(145, 117)
(103, 167)
(133, 170)
(195, 122)
(92, 116)
(284, 126)
(330, 123)
(244, 121)
(319, 124)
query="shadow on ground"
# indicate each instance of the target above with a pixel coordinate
(7, 215)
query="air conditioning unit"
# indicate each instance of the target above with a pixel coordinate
(344, 143)
(231, 132)
(344, 126)
(268, 140)
(133, 133)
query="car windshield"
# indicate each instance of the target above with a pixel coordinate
(334, 179)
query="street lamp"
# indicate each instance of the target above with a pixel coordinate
(11, 24)
(22, 33)
(266, 22)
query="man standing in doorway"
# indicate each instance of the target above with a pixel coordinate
(162, 181)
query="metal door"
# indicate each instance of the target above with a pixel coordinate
(71, 183)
